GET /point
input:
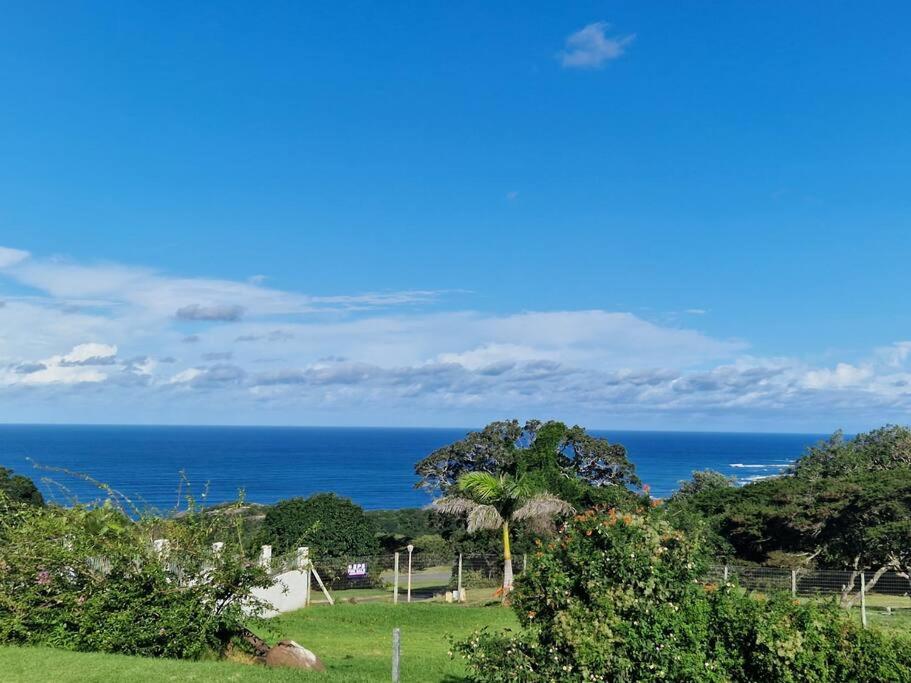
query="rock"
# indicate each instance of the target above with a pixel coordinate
(287, 653)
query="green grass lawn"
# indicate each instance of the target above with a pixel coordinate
(354, 641)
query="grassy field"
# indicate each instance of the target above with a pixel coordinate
(354, 641)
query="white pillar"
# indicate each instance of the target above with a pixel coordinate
(460, 578)
(265, 557)
(410, 550)
(395, 581)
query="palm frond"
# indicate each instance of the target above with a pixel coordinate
(483, 487)
(454, 505)
(484, 517)
(543, 506)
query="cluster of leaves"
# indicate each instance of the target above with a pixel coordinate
(18, 488)
(331, 526)
(617, 598)
(565, 461)
(88, 578)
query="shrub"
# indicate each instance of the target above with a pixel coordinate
(329, 525)
(87, 578)
(434, 548)
(617, 597)
(19, 489)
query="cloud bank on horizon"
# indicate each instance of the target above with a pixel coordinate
(109, 343)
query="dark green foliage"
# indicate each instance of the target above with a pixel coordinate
(88, 578)
(617, 598)
(884, 449)
(18, 488)
(329, 525)
(566, 461)
(406, 522)
(704, 482)
(845, 504)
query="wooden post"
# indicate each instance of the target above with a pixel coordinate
(460, 577)
(395, 581)
(396, 651)
(524, 562)
(793, 583)
(725, 573)
(321, 585)
(863, 599)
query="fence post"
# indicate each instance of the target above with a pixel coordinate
(303, 564)
(524, 562)
(725, 573)
(863, 599)
(395, 582)
(460, 577)
(396, 650)
(265, 557)
(793, 583)
(410, 550)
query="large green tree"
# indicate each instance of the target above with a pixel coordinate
(567, 461)
(331, 526)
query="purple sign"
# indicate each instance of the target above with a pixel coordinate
(357, 569)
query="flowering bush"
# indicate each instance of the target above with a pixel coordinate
(88, 578)
(617, 597)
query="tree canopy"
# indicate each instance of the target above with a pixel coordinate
(18, 488)
(329, 525)
(566, 461)
(845, 504)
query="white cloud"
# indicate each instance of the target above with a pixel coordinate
(842, 376)
(92, 334)
(591, 47)
(10, 257)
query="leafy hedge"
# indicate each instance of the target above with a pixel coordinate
(618, 598)
(88, 578)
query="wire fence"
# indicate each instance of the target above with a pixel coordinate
(877, 588)
(418, 576)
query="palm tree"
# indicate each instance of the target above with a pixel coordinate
(494, 502)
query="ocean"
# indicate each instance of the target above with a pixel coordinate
(372, 466)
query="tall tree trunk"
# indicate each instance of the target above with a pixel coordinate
(507, 561)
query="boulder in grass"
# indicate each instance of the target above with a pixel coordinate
(289, 654)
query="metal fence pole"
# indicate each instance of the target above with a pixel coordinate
(460, 577)
(793, 583)
(410, 550)
(396, 652)
(395, 584)
(863, 599)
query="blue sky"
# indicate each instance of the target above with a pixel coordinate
(626, 214)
